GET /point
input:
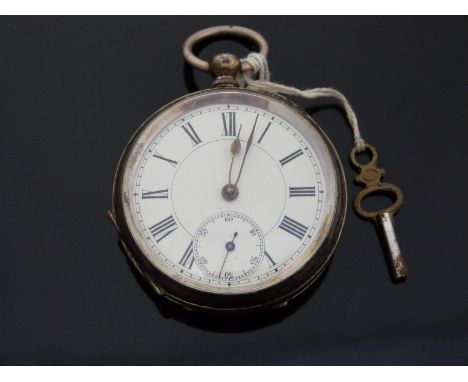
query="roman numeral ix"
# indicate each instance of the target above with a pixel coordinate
(229, 123)
(188, 258)
(188, 128)
(291, 157)
(301, 191)
(293, 227)
(160, 194)
(163, 228)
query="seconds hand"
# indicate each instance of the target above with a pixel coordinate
(230, 246)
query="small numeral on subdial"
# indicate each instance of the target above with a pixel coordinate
(188, 128)
(301, 191)
(293, 227)
(229, 124)
(163, 228)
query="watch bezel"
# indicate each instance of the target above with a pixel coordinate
(192, 298)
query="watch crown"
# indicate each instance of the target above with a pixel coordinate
(224, 67)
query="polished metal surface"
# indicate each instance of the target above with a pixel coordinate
(398, 265)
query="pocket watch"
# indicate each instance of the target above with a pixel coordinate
(229, 199)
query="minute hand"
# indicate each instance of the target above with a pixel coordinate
(247, 148)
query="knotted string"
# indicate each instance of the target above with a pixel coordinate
(261, 70)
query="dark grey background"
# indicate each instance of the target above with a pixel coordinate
(74, 89)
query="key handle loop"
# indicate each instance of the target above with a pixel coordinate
(221, 31)
(386, 189)
(370, 176)
(370, 150)
(368, 173)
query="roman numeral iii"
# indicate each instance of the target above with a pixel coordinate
(188, 258)
(160, 194)
(293, 227)
(163, 228)
(188, 128)
(291, 157)
(229, 123)
(301, 191)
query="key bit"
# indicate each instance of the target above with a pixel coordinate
(398, 266)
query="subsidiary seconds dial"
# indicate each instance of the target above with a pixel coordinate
(228, 246)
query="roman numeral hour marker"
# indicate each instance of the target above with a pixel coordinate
(293, 227)
(173, 163)
(188, 128)
(291, 157)
(229, 124)
(188, 258)
(160, 194)
(269, 259)
(163, 228)
(301, 191)
(264, 132)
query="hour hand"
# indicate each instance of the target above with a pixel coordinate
(230, 190)
(235, 149)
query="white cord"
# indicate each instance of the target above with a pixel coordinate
(259, 64)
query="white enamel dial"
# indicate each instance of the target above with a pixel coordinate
(194, 234)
